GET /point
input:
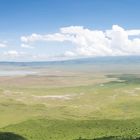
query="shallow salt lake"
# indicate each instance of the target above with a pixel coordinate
(16, 72)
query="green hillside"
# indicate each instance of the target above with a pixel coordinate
(43, 129)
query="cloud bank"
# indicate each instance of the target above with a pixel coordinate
(113, 42)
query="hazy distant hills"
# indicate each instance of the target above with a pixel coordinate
(91, 60)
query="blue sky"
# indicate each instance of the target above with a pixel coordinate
(23, 18)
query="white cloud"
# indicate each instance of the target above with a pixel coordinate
(13, 54)
(50, 37)
(113, 42)
(3, 45)
(23, 45)
(133, 32)
(69, 54)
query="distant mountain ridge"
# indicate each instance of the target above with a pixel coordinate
(89, 60)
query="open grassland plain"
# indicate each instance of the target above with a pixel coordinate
(70, 103)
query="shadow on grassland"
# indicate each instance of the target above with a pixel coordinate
(10, 136)
(110, 138)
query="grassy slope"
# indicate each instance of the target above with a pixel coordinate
(43, 129)
(115, 105)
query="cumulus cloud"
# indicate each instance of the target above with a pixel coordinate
(113, 42)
